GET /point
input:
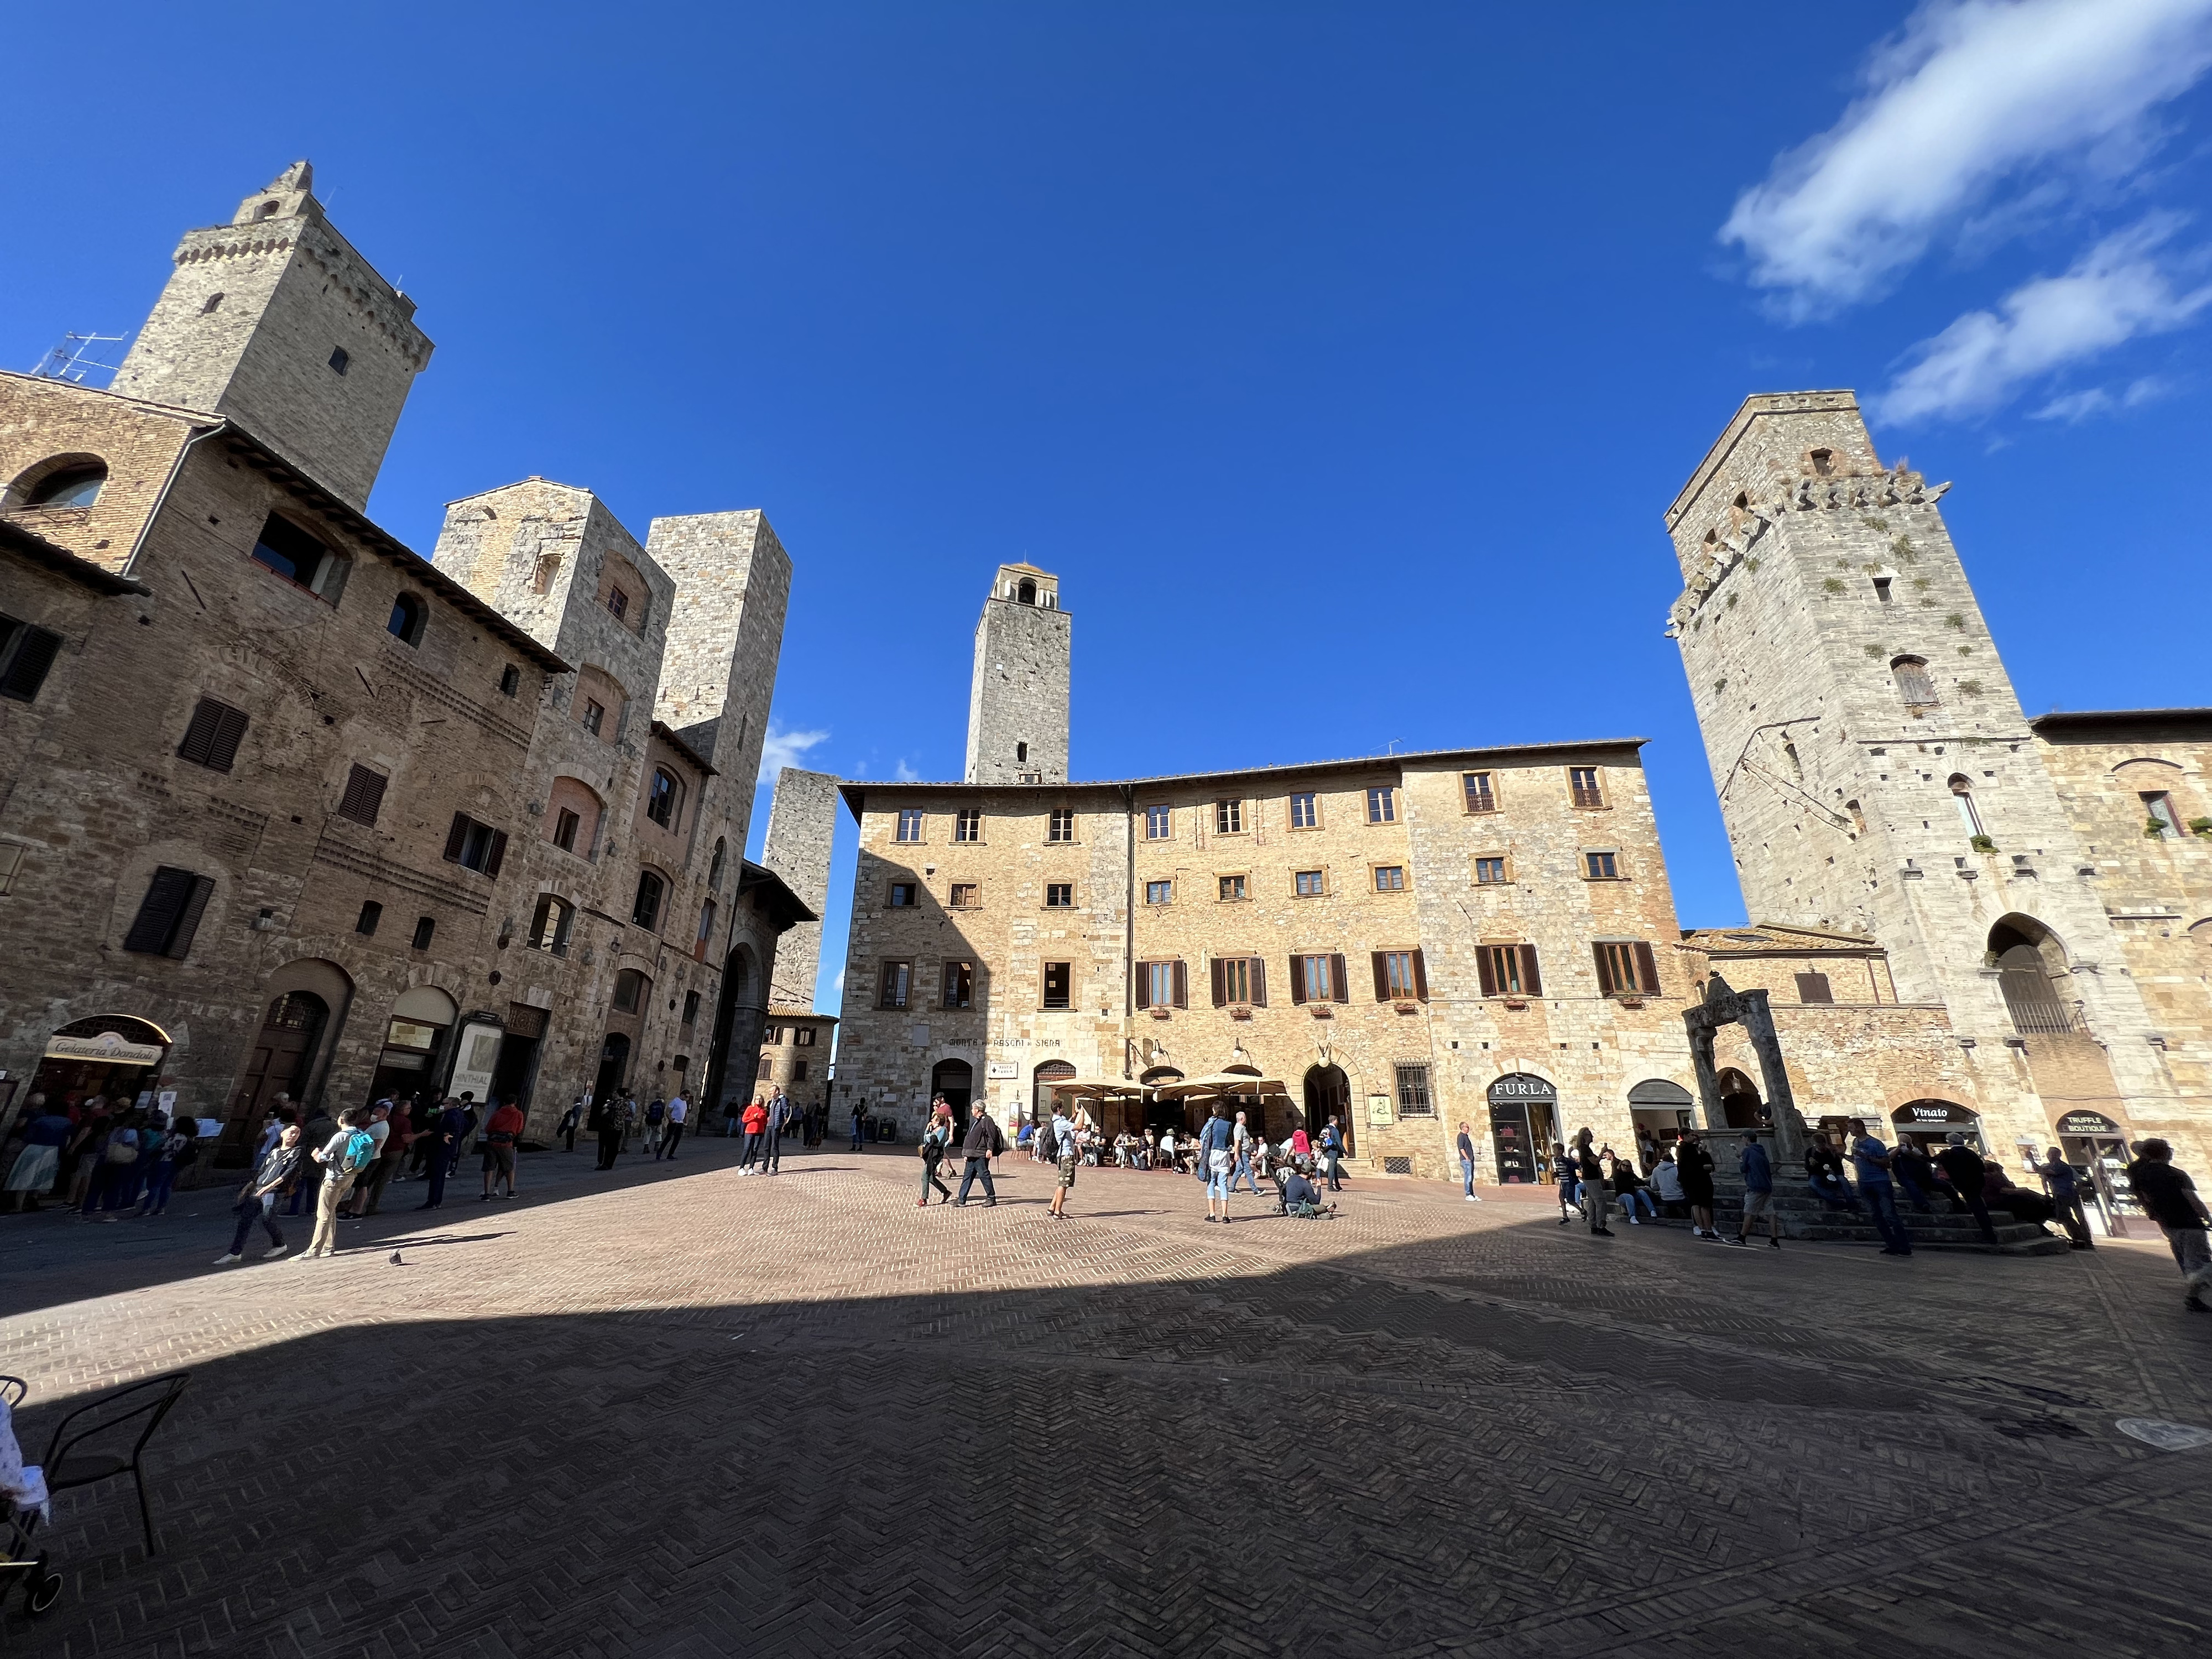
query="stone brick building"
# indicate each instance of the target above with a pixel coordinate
(284, 806)
(795, 1053)
(1017, 700)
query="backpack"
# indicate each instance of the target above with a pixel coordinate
(360, 1148)
(1048, 1142)
(653, 1112)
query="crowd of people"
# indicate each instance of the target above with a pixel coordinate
(106, 1160)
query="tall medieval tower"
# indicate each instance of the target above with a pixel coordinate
(1017, 700)
(1875, 770)
(275, 321)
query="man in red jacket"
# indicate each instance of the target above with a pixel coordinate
(501, 1131)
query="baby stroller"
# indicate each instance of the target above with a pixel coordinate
(22, 1506)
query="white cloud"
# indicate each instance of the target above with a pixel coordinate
(2078, 406)
(1970, 95)
(2114, 294)
(904, 772)
(780, 748)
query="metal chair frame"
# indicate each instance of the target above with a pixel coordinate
(151, 1399)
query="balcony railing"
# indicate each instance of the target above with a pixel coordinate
(2043, 1018)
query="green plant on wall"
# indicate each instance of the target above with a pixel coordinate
(1981, 843)
(1877, 652)
(1832, 585)
(2200, 826)
(1955, 620)
(1972, 687)
(1902, 546)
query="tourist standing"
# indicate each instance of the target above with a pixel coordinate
(610, 1131)
(1758, 1193)
(1247, 1145)
(1592, 1172)
(1466, 1163)
(1693, 1166)
(1062, 1147)
(569, 1121)
(656, 1116)
(501, 1130)
(779, 1119)
(257, 1199)
(445, 1138)
(860, 1124)
(1964, 1168)
(2169, 1197)
(732, 1112)
(37, 1165)
(1216, 1161)
(180, 1146)
(1332, 1152)
(983, 1142)
(755, 1121)
(1563, 1177)
(369, 1191)
(344, 1158)
(379, 1125)
(679, 1112)
(1870, 1161)
(315, 1132)
(2063, 1184)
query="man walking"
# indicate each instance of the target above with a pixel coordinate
(1964, 1169)
(983, 1142)
(501, 1131)
(1758, 1193)
(1593, 1178)
(2064, 1186)
(679, 1109)
(257, 1199)
(1870, 1162)
(1466, 1163)
(2169, 1197)
(1332, 1152)
(610, 1131)
(1244, 1172)
(656, 1116)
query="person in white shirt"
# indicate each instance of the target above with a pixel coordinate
(679, 1110)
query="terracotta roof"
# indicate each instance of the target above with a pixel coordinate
(1773, 938)
(27, 544)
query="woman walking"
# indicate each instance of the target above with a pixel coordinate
(1217, 1162)
(934, 1139)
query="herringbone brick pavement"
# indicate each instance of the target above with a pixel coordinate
(671, 1415)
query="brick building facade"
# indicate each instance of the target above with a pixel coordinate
(284, 806)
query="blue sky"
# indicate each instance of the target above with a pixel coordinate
(1341, 359)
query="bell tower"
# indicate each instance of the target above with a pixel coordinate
(1018, 699)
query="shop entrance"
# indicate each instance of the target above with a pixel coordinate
(2097, 1147)
(1329, 1095)
(956, 1080)
(614, 1065)
(414, 1042)
(514, 1078)
(1929, 1124)
(113, 1055)
(1524, 1113)
(290, 1031)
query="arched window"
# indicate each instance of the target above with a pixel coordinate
(714, 869)
(214, 303)
(266, 211)
(2025, 954)
(1962, 792)
(631, 990)
(1026, 591)
(1914, 682)
(768, 1065)
(663, 799)
(549, 926)
(75, 483)
(405, 624)
(1823, 461)
(651, 890)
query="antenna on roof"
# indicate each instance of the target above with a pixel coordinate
(70, 362)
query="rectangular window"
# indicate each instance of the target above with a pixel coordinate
(799, 1071)
(1509, 970)
(477, 846)
(699, 946)
(1319, 979)
(1814, 988)
(891, 988)
(1413, 1092)
(510, 680)
(646, 910)
(1600, 866)
(1240, 979)
(426, 928)
(618, 602)
(1308, 883)
(1158, 892)
(11, 866)
(1625, 969)
(902, 895)
(1157, 823)
(690, 1008)
(1305, 810)
(1480, 796)
(1880, 589)
(2159, 816)
(364, 795)
(1059, 984)
(909, 823)
(967, 823)
(549, 925)
(595, 713)
(1229, 818)
(1382, 805)
(1162, 985)
(25, 655)
(1489, 873)
(565, 825)
(1400, 976)
(212, 739)
(1232, 887)
(170, 913)
(372, 913)
(959, 986)
(967, 895)
(295, 556)
(660, 797)
(1389, 877)
(802, 1037)
(1059, 894)
(1583, 785)
(1060, 827)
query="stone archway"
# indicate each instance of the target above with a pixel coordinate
(1328, 1094)
(1740, 1106)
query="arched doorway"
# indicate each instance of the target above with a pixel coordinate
(1740, 1106)
(291, 1028)
(114, 1055)
(740, 1015)
(614, 1065)
(1041, 1082)
(1662, 1110)
(1328, 1094)
(2030, 960)
(415, 1038)
(956, 1080)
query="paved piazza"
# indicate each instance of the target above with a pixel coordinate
(674, 1412)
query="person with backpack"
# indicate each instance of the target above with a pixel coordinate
(390, 1148)
(934, 1139)
(315, 1132)
(1693, 1166)
(607, 1124)
(656, 1114)
(983, 1142)
(1217, 1162)
(1057, 1141)
(257, 1199)
(349, 1151)
(180, 1146)
(501, 1131)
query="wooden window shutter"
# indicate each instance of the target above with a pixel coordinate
(1220, 995)
(1531, 981)
(364, 795)
(1339, 991)
(25, 659)
(1485, 967)
(1259, 982)
(1297, 979)
(457, 838)
(1606, 988)
(1182, 984)
(212, 739)
(1144, 975)
(166, 895)
(188, 922)
(1381, 976)
(1647, 968)
(497, 855)
(1420, 976)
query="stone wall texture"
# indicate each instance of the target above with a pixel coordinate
(802, 823)
(1017, 700)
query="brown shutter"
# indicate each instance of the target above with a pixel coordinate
(1340, 990)
(1297, 979)
(364, 795)
(498, 854)
(1421, 977)
(1489, 973)
(1381, 976)
(1531, 981)
(1647, 968)
(457, 838)
(230, 727)
(1606, 988)
(23, 670)
(1220, 995)
(166, 895)
(1181, 985)
(1259, 982)
(1144, 989)
(188, 923)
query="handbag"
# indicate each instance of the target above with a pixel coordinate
(123, 1148)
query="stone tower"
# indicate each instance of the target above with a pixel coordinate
(1017, 700)
(275, 321)
(1875, 770)
(802, 819)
